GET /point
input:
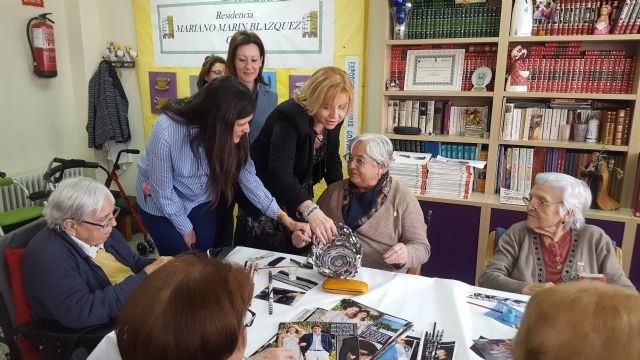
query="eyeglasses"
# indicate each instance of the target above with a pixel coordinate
(249, 317)
(114, 214)
(536, 203)
(216, 72)
(360, 161)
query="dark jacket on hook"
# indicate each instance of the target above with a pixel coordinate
(108, 108)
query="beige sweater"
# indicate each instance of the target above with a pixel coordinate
(400, 219)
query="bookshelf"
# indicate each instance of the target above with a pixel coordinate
(382, 44)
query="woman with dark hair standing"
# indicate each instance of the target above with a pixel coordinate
(245, 61)
(197, 154)
(297, 148)
(212, 68)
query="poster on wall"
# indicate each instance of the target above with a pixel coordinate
(296, 32)
(296, 82)
(162, 89)
(352, 67)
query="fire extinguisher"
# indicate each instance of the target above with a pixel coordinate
(42, 45)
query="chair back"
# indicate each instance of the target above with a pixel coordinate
(18, 238)
(619, 254)
(492, 244)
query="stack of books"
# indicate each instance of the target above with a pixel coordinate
(410, 169)
(450, 178)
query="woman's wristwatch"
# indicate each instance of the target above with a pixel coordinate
(310, 209)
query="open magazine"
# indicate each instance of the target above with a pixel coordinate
(329, 340)
(376, 330)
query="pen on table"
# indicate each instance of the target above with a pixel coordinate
(272, 267)
(270, 292)
(486, 307)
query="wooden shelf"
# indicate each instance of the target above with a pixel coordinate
(583, 38)
(620, 215)
(475, 199)
(564, 144)
(543, 95)
(441, 138)
(437, 94)
(485, 40)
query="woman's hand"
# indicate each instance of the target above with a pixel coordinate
(274, 354)
(322, 226)
(398, 254)
(534, 288)
(189, 239)
(301, 238)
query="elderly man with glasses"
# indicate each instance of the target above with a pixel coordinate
(80, 270)
(385, 215)
(554, 245)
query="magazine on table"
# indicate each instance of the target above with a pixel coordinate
(335, 340)
(406, 347)
(377, 331)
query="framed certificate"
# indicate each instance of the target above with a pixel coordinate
(434, 69)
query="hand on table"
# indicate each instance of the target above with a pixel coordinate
(534, 288)
(274, 354)
(189, 239)
(157, 263)
(398, 254)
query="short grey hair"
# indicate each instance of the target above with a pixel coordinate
(575, 195)
(377, 146)
(75, 198)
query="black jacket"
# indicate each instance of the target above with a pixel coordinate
(283, 156)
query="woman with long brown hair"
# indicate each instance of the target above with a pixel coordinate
(197, 154)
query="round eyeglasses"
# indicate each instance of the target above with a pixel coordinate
(537, 203)
(360, 161)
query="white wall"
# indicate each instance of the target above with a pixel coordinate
(43, 118)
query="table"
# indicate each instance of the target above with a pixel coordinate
(419, 299)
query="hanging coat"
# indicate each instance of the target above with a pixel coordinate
(108, 108)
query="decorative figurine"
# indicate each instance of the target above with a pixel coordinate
(517, 80)
(522, 18)
(392, 85)
(400, 10)
(597, 175)
(602, 26)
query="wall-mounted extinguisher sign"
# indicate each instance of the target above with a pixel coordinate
(43, 46)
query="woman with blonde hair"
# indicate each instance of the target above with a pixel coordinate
(297, 148)
(582, 320)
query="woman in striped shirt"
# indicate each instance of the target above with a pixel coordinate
(197, 154)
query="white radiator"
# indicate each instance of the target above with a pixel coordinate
(13, 197)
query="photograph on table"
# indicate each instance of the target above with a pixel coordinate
(281, 296)
(493, 349)
(384, 332)
(444, 351)
(311, 340)
(406, 348)
(348, 310)
(294, 280)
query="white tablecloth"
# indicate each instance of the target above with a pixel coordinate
(419, 299)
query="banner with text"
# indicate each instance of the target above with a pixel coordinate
(295, 32)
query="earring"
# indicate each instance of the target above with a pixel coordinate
(563, 222)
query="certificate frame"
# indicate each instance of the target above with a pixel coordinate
(439, 69)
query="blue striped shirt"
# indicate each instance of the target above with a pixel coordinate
(177, 183)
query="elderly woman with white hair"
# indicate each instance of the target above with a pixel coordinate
(79, 270)
(385, 215)
(554, 244)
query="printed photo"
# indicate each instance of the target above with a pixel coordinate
(494, 349)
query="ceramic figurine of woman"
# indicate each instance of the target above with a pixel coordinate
(522, 18)
(602, 26)
(518, 79)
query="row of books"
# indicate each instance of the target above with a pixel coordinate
(518, 166)
(459, 21)
(609, 75)
(435, 117)
(475, 56)
(534, 121)
(577, 17)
